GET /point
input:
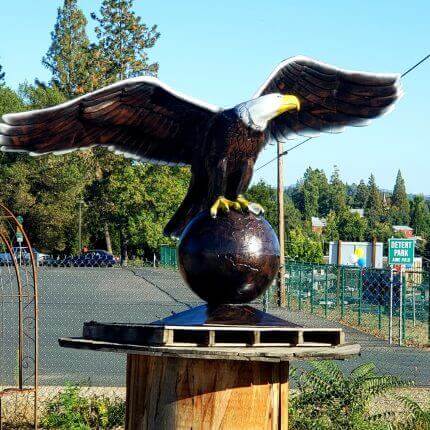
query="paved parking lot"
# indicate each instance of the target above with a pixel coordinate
(71, 296)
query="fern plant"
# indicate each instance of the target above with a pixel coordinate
(327, 398)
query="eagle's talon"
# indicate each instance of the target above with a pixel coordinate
(248, 206)
(224, 205)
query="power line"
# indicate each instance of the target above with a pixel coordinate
(284, 153)
(309, 138)
(414, 66)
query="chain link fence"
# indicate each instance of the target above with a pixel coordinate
(388, 304)
(73, 291)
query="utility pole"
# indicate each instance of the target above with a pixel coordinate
(81, 202)
(281, 228)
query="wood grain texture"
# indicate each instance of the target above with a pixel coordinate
(177, 393)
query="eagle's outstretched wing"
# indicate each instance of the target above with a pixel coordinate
(330, 98)
(139, 117)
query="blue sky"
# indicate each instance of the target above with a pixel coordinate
(222, 51)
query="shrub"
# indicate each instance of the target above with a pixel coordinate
(328, 399)
(73, 411)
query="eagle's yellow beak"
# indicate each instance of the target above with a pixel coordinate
(289, 102)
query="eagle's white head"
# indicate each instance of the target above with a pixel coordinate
(256, 113)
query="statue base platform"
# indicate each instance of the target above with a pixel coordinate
(211, 368)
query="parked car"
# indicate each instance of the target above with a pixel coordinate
(22, 254)
(94, 258)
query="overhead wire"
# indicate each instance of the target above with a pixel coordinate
(309, 138)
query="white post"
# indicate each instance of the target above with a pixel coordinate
(401, 308)
(390, 320)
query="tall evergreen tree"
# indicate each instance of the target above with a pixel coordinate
(123, 41)
(361, 195)
(312, 194)
(121, 52)
(337, 192)
(68, 57)
(400, 202)
(374, 208)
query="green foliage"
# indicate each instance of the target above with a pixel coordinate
(420, 216)
(123, 41)
(266, 195)
(39, 95)
(415, 417)
(70, 410)
(45, 190)
(68, 57)
(374, 207)
(328, 399)
(400, 202)
(10, 101)
(137, 200)
(351, 226)
(361, 195)
(130, 202)
(301, 247)
(312, 194)
(331, 231)
(337, 192)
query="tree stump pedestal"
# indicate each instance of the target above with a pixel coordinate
(205, 369)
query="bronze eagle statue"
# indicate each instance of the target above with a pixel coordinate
(143, 118)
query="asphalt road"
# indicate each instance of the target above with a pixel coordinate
(71, 296)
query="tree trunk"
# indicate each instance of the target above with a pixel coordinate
(123, 243)
(108, 239)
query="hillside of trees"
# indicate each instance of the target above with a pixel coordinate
(126, 204)
(315, 195)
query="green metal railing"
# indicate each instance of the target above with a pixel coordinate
(168, 256)
(360, 297)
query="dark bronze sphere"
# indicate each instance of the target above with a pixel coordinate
(232, 258)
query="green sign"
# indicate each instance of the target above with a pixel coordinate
(20, 219)
(401, 251)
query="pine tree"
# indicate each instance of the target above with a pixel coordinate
(337, 192)
(120, 53)
(68, 57)
(374, 209)
(361, 195)
(123, 41)
(400, 202)
(312, 196)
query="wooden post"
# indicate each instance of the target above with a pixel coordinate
(281, 227)
(184, 393)
(339, 252)
(374, 252)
